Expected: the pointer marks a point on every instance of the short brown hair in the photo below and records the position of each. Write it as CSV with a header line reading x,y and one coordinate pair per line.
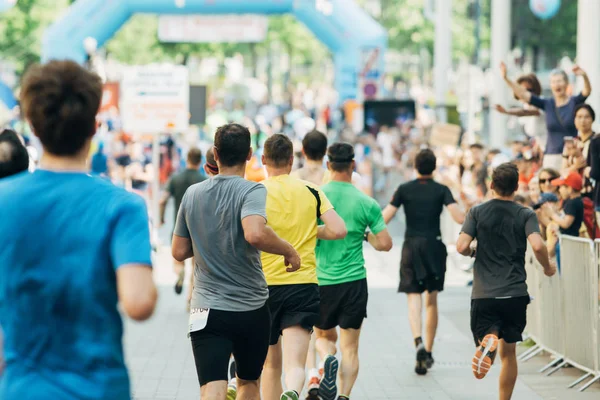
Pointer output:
x,y
61,99
505,179
194,156
278,150
340,156
533,82
314,145
232,142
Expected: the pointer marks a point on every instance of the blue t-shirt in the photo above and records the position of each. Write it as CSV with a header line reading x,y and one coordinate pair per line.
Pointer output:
x,y
557,127
64,235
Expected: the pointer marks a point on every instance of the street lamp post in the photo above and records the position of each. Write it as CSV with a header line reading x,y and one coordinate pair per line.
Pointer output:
x,y
500,49
588,46
442,55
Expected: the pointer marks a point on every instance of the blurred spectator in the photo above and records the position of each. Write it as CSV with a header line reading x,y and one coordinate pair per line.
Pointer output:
x,y
531,118
559,110
14,157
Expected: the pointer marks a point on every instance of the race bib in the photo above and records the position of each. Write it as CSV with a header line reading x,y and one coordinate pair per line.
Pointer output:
x,y
198,319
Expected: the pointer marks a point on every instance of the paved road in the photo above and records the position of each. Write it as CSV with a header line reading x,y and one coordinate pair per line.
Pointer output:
x,y
161,363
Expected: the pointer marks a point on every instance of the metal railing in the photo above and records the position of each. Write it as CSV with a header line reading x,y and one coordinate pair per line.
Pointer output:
x,y
564,315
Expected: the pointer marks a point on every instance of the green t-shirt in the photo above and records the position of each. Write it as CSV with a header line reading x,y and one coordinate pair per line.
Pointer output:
x,y
340,261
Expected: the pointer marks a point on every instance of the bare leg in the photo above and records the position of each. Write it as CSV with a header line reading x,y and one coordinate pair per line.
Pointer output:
x,y
349,370
270,386
248,390
431,319
415,307
296,341
325,342
216,390
508,374
311,357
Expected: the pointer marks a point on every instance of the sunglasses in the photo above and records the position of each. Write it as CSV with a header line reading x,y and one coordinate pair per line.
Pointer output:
x,y
546,180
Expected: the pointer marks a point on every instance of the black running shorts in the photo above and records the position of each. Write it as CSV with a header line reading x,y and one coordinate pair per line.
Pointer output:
x,y
245,334
423,265
343,305
292,305
507,317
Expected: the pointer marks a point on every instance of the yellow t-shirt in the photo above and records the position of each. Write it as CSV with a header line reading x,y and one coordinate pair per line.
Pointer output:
x,y
293,210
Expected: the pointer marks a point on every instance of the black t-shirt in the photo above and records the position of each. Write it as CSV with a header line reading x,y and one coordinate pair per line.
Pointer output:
x,y
180,182
423,201
501,228
573,207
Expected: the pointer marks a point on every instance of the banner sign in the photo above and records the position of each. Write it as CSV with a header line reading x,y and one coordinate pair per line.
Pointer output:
x,y
212,28
154,98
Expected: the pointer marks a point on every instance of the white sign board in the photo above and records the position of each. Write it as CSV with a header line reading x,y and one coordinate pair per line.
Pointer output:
x,y
155,98
212,28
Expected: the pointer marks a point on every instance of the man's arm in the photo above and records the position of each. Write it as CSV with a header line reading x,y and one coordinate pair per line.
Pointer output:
x,y
334,227
456,213
381,241
181,248
130,254
136,290
463,244
263,238
541,253
389,212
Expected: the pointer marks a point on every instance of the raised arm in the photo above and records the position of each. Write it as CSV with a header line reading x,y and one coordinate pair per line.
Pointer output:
x,y
587,86
518,90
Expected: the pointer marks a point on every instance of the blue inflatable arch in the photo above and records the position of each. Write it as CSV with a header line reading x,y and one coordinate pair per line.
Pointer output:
x,y
347,32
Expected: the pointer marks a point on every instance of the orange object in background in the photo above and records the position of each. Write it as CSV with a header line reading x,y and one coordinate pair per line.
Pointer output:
x,y
254,171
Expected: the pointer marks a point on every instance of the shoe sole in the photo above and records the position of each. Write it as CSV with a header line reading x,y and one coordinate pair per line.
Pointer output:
x,y
288,395
481,362
328,387
421,367
313,393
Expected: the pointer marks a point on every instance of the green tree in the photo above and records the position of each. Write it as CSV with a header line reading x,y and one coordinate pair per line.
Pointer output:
x,y
22,28
554,38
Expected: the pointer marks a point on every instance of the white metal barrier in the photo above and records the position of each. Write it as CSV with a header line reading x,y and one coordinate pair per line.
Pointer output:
x,y
564,316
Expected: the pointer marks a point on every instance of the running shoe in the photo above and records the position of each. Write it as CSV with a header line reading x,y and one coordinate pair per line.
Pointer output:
x,y
289,395
484,356
313,388
421,365
179,283
429,362
232,390
327,386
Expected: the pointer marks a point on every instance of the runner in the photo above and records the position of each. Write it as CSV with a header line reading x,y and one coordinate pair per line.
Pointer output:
x,y
423,262
342,274
499,302
73,246
176,188
222,224
314,147
293,209
14,157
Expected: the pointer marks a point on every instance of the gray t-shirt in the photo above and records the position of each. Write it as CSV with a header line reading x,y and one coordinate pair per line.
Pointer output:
x,y
501,228
228,274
